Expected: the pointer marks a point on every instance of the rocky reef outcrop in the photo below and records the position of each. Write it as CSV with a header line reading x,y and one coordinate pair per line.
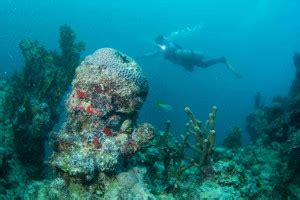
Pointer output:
x,y
101,131
274,131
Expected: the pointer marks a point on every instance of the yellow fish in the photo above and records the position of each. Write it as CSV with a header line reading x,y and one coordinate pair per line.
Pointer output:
x,y
164,106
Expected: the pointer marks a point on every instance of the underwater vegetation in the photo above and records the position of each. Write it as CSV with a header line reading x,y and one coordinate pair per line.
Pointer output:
x,y
102,152
31,102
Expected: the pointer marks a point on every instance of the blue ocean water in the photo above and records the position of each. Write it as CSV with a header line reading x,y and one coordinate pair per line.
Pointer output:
x,y
257,36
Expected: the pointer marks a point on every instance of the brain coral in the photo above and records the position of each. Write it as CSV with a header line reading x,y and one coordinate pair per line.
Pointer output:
x,y
111,81
101,129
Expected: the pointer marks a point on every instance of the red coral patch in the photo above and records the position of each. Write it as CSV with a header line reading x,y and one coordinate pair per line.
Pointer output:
x,y
107,131
96,142
89,110
93,111
81,94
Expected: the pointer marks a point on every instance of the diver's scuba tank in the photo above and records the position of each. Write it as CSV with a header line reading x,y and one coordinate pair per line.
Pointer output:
x,y
186,55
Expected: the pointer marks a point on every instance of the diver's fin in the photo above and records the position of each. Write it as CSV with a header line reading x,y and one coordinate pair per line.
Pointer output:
x,y
231,68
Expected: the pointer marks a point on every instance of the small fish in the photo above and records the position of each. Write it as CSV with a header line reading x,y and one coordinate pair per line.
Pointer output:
x,y
164,106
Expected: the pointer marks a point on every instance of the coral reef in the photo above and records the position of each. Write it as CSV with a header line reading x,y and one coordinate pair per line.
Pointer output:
x,y
151,171
30,106
173,165
295,88
233,139
268,168
101,152
126,185
12,174
250,172
204,136
34,94
274,130
279,137
101,130
168,168
176,169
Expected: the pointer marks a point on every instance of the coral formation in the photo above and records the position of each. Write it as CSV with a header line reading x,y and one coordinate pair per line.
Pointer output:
x,y
170,162
295,88
268,168
101,131
33,98
233,139
205,137
12,174
159,162
274,130
30,106
126,185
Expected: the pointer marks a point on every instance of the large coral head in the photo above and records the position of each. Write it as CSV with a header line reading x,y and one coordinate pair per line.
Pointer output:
x,y
108,81
108,91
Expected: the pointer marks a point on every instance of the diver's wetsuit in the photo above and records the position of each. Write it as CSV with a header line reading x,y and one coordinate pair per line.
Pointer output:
x,y
185,57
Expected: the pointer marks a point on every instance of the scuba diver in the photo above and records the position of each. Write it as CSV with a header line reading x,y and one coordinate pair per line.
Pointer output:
x,y
185,57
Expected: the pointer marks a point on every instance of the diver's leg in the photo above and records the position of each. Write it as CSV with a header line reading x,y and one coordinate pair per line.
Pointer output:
x,y
211,62
224,61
